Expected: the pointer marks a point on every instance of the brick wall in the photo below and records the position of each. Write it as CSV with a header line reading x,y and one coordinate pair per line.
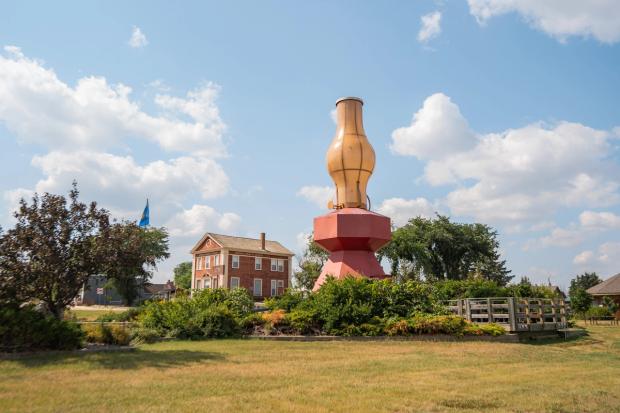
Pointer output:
x,y
247,272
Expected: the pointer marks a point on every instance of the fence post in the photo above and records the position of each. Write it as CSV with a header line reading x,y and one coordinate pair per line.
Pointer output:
x,y
467,309
512,313
489,311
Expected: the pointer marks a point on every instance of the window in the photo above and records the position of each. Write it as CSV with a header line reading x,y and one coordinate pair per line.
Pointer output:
x,y
199,263
281,265
274,264
235,261
274,287
234,282
258,263
280,283
258,287
217,260
198,284
208,261
207,282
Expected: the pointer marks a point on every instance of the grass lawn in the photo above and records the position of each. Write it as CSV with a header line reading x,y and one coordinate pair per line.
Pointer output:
x,y
246,375
90,314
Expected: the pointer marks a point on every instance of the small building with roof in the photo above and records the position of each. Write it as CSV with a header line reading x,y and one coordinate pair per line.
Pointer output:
x,y
263,267
608,288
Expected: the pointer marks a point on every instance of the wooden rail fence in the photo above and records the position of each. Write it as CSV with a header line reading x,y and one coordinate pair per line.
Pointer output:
x,y
513,313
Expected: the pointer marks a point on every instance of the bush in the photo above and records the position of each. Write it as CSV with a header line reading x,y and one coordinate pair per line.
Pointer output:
x,y
237,300
352,301
101,333
275,322
251,323
287,301
443,324
24,329
492,329
598,312
210,313
218,322
303,321
144,336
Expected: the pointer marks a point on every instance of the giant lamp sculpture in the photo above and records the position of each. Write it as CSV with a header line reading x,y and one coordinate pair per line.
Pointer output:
x,y
351,233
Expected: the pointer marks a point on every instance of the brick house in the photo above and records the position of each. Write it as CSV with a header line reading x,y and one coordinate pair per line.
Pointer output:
x,y
261,266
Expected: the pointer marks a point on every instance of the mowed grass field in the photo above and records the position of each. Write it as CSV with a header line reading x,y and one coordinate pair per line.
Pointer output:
x,y
91,313
582,375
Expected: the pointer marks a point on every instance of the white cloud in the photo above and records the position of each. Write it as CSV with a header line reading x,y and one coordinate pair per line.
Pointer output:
x,y
437,130
604,261
333,116
562,237
197,220
599,220
319,195
40,108
558,18
402,210
431,27
514,175
121,185
583,258
137,39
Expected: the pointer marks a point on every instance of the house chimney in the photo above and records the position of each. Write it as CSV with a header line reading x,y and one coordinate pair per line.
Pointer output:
x,y
262,240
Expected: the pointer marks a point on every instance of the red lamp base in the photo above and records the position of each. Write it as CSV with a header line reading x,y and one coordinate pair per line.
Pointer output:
x,y
351,235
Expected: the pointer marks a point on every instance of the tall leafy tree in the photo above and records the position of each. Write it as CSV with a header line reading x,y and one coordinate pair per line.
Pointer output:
x,y
183,275
133,254
583,282
580,300
438,249
52,250
310,265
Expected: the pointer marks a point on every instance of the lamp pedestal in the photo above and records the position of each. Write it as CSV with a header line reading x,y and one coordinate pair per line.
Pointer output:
x,y
351,235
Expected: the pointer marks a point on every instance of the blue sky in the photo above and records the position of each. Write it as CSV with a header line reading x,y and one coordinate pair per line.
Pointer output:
x,y
501,112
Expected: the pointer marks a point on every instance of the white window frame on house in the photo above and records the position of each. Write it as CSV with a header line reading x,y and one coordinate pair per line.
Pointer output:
x,y
235,282
235,260
207,262
274,287
260,290
198,284
199,263
207,283
274,264
280,283
258,263
216,260
280,265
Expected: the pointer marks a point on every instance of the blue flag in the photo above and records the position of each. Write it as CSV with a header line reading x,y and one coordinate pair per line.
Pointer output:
x,y
144,220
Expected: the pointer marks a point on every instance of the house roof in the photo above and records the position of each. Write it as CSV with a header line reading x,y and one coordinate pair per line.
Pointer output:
x,y
610,286
244,244
158,288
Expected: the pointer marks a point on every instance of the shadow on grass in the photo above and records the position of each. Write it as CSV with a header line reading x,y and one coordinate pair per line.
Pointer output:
x,y
124,360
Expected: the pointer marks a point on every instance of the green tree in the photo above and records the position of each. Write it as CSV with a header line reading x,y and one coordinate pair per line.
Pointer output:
x,y
310,265
132,255
52,250
583,282
610,304
183,275
580,301
438,249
